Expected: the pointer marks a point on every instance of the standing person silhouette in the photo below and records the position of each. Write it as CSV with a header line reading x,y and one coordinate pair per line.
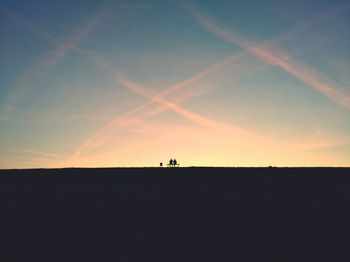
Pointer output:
x,y
174,162
171,162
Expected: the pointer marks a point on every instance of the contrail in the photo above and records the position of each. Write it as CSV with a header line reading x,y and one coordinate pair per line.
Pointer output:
x,y
182,86
146,92
296,68
34,152
132,86
19,90
105,133
135,87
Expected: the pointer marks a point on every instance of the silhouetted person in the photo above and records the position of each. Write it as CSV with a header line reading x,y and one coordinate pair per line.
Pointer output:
x,y
171,162
161,164
174,162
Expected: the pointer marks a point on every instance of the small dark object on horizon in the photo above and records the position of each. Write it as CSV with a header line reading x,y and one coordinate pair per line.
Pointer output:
x,y
173,163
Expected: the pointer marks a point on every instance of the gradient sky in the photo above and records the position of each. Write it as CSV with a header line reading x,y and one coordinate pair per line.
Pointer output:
x,y
211,83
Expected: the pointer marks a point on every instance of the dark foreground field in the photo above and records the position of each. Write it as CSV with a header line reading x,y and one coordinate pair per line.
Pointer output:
x,y
182,214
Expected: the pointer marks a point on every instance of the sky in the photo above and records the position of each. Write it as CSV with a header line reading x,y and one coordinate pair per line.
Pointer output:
x,y
210,83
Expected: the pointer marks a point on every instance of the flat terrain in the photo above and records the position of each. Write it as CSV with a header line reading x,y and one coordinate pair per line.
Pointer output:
x,y
176,214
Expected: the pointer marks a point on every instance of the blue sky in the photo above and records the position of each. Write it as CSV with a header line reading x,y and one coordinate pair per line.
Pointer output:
x,y
133,83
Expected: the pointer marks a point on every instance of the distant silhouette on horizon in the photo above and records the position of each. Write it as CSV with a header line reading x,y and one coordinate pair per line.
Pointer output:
x,y
173,163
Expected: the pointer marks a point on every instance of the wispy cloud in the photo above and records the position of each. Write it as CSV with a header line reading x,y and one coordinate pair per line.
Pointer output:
x,y
27,151
136,88
167,99
216,145
131,117
147,92
19,90
278,58
205,125
49,118
28,158
185,90
181,91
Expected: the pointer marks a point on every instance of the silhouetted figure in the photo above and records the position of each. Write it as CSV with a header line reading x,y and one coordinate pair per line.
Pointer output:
x,y
171,162
161,164
174,162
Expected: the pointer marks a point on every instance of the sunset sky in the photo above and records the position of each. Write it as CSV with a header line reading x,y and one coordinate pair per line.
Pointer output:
x,y
211,83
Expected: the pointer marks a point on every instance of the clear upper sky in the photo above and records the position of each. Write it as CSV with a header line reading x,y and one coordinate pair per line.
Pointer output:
x,y
135,83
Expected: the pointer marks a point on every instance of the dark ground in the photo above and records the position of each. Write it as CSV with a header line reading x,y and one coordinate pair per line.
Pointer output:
x,y
179,214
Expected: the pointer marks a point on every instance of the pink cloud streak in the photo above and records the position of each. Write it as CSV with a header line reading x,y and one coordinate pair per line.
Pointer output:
x,y
103,135
19,90
296,68
260,50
